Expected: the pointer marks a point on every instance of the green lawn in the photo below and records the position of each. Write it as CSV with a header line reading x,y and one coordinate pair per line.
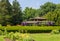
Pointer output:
x,y
46,37
1,38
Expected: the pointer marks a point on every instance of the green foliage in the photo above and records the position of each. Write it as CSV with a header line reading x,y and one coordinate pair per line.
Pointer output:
x,y
55,32
29,13
54,16
18,37
11,36
10,14
48,10
5,12
1,32
30,29
5,31
16,13
47,7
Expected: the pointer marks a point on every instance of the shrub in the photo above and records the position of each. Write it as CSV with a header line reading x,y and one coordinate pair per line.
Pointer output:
x,y
28,29
32,29
55,32
5,31
0,25
11,35
1,32
19,36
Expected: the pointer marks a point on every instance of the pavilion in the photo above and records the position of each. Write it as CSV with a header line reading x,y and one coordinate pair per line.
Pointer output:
x,y
38,21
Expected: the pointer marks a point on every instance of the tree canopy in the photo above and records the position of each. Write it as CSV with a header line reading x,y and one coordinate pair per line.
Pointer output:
x,y
12,14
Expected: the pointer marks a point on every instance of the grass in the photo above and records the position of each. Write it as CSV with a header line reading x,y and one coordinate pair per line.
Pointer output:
x,y
1,38
46,37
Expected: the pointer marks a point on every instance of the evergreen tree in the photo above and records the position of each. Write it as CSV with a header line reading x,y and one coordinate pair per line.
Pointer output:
x,y
5,11
17,13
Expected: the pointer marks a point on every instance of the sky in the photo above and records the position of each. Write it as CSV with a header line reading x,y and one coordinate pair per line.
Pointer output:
x,y
34,3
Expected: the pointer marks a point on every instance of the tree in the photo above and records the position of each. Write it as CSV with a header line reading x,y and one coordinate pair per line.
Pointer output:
x,y
5,11
16,13
47,7
29,13
54,16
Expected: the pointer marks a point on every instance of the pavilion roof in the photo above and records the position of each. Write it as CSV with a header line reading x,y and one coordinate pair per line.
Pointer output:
x,y
38,18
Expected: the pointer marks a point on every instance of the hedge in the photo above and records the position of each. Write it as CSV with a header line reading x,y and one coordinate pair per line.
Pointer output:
x,y
31,29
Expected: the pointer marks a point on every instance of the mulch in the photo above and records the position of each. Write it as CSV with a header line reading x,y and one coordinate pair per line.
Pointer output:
x,y
7,39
